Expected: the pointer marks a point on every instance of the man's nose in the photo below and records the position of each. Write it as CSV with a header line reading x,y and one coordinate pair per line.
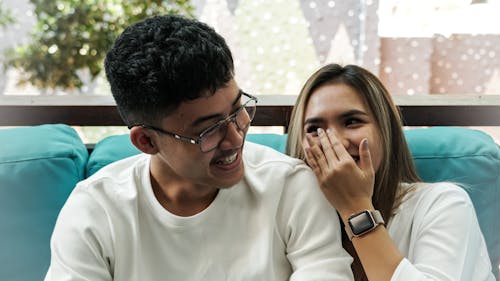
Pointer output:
x,y
233,138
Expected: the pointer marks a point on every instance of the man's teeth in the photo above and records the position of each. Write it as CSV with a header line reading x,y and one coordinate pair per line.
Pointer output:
x,y
229,159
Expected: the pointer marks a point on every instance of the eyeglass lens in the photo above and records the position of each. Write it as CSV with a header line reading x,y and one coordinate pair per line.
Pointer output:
x,y
243,118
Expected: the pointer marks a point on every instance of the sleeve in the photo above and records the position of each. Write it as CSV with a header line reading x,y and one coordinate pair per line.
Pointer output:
x,y
79,245
310,227
447,243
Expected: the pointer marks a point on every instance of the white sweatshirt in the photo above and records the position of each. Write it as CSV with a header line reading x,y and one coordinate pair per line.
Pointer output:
x,y
275,224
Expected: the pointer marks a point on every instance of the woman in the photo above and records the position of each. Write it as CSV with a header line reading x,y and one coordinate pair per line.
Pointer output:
x,y
347,128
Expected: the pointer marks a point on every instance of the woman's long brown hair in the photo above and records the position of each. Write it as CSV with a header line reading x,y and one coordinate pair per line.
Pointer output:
x,y
397,164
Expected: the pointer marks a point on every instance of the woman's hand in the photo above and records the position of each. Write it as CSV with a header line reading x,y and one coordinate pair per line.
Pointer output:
x,y
347,185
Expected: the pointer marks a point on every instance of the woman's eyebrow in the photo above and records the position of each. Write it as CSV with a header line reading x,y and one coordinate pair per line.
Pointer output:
x,y
353,112
347,114
313,120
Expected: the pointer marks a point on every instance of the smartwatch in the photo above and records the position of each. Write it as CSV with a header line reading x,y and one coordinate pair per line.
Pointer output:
x,y
362,223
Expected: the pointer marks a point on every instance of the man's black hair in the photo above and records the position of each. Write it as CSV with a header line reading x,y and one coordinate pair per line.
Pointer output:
x,y
160,62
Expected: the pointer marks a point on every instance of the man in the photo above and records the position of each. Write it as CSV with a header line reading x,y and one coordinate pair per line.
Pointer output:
x,y
199,203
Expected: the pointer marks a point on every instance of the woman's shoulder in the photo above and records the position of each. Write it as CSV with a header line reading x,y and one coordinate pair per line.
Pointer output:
x,y
428,203
438,189
426,195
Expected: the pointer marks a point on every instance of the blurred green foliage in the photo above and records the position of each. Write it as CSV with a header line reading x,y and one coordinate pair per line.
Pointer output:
x,y
5,16
72,37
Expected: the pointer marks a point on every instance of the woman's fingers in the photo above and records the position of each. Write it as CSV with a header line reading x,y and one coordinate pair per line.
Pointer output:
x,y
365,159
316,153
327,147
311,161
338,146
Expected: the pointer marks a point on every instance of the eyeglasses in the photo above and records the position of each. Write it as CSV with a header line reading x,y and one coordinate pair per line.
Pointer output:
x,y
211,137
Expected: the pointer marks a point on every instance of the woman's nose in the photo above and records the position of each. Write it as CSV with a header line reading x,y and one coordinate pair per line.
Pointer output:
x,y
342,138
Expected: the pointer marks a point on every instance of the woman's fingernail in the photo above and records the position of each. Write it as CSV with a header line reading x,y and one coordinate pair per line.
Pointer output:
x,y
320,131
328,131
365,144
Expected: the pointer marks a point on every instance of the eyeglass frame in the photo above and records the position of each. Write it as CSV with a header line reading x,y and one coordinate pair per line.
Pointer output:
x,y
230,118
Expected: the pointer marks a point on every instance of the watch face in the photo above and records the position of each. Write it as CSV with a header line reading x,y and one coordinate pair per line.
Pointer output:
x,y
361,222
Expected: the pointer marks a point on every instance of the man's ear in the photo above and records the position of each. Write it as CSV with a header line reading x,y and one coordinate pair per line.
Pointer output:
x,y
142,139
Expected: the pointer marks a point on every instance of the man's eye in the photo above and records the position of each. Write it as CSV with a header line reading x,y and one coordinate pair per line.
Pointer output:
x,y
212,129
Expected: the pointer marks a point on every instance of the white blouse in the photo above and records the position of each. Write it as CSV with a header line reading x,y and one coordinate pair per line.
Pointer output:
x,y
437,231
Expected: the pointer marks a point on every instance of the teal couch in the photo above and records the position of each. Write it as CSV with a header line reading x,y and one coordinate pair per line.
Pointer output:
x,y
39,166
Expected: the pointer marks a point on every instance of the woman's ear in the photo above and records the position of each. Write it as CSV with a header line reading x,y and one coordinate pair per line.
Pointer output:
x,y
142,139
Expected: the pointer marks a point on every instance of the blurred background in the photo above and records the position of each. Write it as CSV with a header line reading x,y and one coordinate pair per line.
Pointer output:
x,y
417,48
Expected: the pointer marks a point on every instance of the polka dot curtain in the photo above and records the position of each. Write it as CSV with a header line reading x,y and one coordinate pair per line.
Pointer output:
x,y
277,44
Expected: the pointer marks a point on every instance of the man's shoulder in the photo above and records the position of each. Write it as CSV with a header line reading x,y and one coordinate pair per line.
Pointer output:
x,y
257,155
115,169
117,177
266,165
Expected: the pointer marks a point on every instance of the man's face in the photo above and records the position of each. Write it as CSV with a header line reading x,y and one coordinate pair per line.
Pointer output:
x,y
184,162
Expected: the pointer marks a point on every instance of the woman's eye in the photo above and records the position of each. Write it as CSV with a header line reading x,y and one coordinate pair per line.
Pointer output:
x,y
352,122
311,129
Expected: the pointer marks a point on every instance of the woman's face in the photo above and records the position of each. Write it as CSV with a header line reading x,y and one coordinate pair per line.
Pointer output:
x,y
340,108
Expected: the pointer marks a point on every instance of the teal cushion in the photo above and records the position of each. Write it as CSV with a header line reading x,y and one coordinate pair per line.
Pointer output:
x,y
39,166
109,150
118,147
470,158
276,141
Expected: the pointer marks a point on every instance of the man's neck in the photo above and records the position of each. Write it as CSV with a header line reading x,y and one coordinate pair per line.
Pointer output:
x,y
181,197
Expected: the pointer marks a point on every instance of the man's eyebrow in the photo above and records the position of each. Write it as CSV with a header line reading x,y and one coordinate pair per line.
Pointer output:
x,y
202,119
238,97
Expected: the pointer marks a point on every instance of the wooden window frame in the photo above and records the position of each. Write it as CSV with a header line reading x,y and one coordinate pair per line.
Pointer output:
x,y
273,110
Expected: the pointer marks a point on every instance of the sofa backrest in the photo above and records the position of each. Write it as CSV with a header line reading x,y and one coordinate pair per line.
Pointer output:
x,y
469,158
39,166
464,156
